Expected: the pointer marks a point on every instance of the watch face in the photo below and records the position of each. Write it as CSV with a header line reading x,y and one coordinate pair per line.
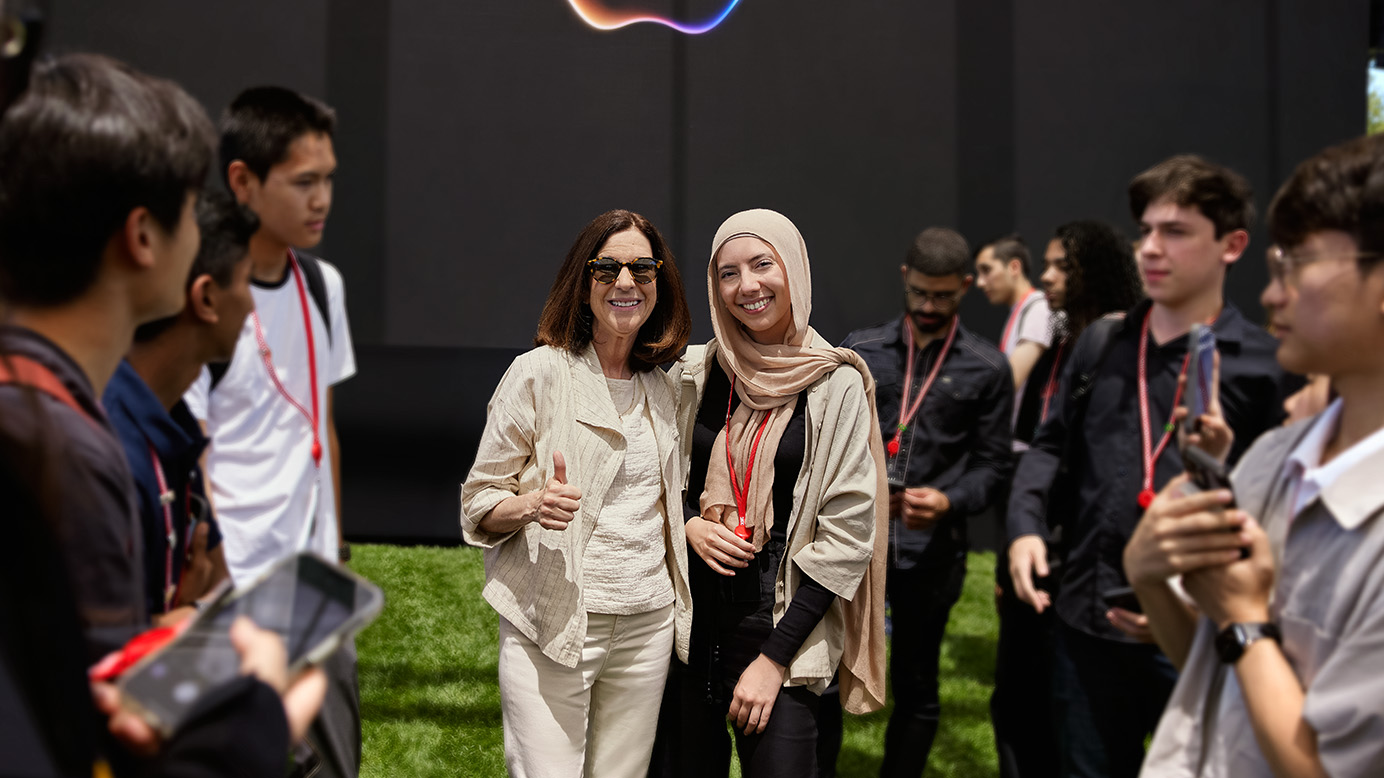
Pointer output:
x,y
1230,642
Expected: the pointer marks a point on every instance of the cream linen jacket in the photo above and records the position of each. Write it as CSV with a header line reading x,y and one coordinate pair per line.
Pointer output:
x,y
548,400
831,530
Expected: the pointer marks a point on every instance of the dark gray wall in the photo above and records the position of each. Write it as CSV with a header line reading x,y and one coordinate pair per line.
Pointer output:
x,y
477,138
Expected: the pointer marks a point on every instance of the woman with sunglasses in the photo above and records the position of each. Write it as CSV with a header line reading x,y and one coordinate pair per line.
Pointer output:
x,y
574,495
786,504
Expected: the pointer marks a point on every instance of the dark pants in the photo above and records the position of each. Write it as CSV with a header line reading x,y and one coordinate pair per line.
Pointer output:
x,y
1022,704
333,739
920,599
692,740
1109,697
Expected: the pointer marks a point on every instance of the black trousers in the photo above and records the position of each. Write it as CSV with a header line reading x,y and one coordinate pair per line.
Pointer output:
x,y
1021,707
693,742
920,601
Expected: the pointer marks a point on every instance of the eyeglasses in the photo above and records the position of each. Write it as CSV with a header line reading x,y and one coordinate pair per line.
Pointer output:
x,y
1283,265
606,269
941,301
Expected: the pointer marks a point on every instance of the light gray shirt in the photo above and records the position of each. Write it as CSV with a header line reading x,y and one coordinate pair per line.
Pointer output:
x,y
1328,600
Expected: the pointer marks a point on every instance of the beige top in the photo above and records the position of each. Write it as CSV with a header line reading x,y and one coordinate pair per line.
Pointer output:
x,y
625,569
1328,600
548,400
831,530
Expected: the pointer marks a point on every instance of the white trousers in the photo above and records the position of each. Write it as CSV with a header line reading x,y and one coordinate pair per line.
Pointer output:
x,y
597,719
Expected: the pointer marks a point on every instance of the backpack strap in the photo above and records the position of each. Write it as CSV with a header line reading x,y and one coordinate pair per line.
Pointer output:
x,y
20,370
317,287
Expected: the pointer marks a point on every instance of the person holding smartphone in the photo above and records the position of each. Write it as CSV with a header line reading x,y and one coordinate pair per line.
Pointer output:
x,y
1279,650
574,497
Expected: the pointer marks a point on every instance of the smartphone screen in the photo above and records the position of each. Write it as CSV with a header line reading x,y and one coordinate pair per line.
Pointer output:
x,y
1200,370
307,601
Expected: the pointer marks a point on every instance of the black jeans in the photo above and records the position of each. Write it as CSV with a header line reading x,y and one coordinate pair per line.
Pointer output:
x,y
1109,698
920,600
692,741
1021,706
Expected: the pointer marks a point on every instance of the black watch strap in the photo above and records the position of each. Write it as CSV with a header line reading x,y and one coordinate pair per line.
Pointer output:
x,y
343,552
1232,641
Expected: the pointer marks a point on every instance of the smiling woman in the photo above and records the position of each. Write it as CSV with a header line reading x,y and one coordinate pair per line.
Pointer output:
x,y
574,497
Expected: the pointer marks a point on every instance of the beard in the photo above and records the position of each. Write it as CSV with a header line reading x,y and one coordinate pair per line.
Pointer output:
x,y
929,324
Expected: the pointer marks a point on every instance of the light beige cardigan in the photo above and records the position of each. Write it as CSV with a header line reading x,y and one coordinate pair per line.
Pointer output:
x,y
831,529
551,399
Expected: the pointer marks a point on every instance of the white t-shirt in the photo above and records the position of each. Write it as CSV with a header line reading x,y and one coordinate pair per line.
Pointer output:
x,y
1028,321
264,484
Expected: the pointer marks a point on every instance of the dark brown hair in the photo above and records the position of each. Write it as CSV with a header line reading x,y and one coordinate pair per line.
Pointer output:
x,y
1341,188
566,322
1221,194
938,251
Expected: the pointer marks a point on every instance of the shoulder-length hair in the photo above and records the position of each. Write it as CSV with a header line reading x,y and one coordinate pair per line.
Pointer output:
x,y
566,321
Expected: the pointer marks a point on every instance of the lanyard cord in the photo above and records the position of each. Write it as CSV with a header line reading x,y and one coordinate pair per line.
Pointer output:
x,y
166,498
1014,316
1145,435
907,412
312,359
742,494
1050,388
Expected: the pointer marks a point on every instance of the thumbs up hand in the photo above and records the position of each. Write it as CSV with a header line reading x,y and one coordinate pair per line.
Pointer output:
x,y
559,500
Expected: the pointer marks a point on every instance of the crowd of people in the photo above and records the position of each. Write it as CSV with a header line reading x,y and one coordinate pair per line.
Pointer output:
x,y
695,547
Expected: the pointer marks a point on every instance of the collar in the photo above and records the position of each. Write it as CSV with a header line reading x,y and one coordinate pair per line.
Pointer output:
x,y
1229,326
893,333
127,395
20,340
1347,485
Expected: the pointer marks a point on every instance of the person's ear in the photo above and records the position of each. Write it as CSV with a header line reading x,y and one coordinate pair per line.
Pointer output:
x,y
242,180
1234,244
136,237
903,271
202,298
966,282
1016,268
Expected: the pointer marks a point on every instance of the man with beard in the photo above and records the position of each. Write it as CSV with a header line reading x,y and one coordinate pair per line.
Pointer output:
x,y
944,397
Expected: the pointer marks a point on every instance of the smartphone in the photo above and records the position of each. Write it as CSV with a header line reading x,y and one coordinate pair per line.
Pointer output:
x,y
1122,597
1207,474
313,604
1200,371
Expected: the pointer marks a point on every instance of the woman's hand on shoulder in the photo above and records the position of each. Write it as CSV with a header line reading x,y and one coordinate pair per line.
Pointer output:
x,y
559,501
717,545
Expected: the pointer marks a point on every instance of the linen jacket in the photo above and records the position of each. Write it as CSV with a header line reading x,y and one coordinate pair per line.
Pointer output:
x,y
831,528
1328,600
553,400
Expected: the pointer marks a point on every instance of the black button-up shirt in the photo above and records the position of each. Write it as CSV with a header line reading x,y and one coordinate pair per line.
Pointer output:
x,y
142,424
1098,496
960,440
89,491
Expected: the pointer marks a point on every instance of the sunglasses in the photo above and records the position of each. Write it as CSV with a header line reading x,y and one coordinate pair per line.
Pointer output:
x,y
606,269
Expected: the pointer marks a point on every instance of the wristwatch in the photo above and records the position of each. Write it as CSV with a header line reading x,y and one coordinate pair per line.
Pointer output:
x,y
1232,641
343,552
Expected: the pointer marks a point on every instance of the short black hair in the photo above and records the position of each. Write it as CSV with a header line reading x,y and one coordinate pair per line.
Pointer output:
x,y
938,251
1221,194
1341,188
1102,276
91,140
262,122
1009,248
226,229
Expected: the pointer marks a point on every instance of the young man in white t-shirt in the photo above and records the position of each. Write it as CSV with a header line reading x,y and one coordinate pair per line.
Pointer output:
x,y
1002,274
273,462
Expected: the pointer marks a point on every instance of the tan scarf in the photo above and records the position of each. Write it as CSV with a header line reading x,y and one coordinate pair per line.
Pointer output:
x,y
769,378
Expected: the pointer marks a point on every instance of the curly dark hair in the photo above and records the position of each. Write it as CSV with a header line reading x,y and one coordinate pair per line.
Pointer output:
x,y
1101,277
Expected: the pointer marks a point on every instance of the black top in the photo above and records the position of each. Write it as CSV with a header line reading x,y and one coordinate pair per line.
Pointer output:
x,y
92,496
141,423
1104,469
738,610
1047,368
960,441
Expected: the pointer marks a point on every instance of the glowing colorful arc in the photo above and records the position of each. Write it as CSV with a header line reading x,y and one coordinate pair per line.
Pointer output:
x,y
594,14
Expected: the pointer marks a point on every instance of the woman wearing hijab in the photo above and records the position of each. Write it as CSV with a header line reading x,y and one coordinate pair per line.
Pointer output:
x,y
785,504
574,497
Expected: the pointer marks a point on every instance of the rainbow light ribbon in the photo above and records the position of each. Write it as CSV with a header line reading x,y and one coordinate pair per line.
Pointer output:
x,y
597,15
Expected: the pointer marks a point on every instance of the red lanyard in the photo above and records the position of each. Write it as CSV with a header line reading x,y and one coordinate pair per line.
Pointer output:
x,y
907,412
1151,457
742,493
166,497
1014,316
312,360
1050,388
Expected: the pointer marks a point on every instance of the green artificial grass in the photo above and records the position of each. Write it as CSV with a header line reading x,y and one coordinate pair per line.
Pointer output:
x,y
430,705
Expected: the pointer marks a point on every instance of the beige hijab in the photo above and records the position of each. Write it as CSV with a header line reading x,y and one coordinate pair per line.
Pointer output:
x,y
768,379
